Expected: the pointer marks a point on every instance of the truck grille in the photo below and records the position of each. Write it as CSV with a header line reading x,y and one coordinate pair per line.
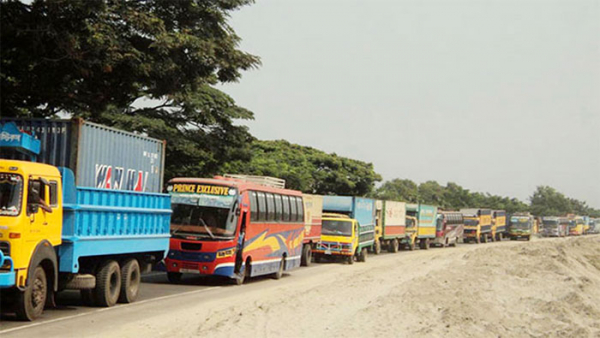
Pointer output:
x,y
5,248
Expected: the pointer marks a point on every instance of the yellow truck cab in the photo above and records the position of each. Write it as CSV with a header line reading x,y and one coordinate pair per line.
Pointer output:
x,y
339,238
29,213
412,230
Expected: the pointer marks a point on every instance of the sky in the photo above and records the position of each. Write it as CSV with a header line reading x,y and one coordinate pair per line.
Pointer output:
x,y
496,96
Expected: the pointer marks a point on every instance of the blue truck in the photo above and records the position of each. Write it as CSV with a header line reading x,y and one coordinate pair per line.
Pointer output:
x,y
57,236
360,209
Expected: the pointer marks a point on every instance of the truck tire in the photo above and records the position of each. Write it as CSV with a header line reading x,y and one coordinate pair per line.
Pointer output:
x,y
528,238
131,278
424,244
484,238
350,259
411,245
81,282
377,247
108,284
306,255
393,246
279,273
500,237
30,303
362,256
174,277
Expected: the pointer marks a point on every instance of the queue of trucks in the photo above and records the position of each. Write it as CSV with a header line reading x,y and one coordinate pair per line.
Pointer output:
x,y
82,208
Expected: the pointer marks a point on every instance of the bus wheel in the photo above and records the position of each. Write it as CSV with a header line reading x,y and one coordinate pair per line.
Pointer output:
x,y
131,278
306,255
174,277
377,247
279,273
393,246
30,303
108,284
362,256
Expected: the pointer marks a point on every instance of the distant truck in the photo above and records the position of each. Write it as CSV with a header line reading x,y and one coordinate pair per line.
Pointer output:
x,y
554,227
313,214
449,228
340,239
393,225
520,226
421,229
55,235
360,209
499,224
478,225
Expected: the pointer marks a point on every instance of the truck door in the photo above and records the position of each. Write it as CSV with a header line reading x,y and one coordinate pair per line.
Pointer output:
x,y
38,211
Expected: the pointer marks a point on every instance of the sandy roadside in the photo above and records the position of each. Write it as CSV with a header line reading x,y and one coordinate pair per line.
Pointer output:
x,y
537,289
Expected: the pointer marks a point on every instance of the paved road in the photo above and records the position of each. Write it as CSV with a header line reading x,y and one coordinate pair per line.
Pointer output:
x,y
71,318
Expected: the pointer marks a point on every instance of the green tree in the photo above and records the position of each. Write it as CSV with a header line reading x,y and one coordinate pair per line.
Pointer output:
x,y
398,190
307,169
546,201
431,192
95,59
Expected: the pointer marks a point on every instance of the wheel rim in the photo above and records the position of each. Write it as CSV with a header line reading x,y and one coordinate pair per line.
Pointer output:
x,y
37,293
114,284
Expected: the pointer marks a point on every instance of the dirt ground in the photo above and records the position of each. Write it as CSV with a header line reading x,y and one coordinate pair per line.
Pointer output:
x,y
543,288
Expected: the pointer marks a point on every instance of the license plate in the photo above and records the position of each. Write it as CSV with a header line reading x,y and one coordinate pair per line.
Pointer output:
x,y
188,271
328,252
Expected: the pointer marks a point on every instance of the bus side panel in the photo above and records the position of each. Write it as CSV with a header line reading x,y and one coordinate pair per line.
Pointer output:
x,y
266,243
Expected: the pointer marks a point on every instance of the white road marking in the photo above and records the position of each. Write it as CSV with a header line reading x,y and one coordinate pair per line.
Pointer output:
x,y
106,309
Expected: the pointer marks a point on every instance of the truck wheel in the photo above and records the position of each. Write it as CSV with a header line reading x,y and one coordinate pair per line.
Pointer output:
x,y
174,277
350,259
131,278
411,245
484,238
362,256
30,303
377,247
279,273
528,238
424,244
306,255
108,284
393,246
500,237
455,243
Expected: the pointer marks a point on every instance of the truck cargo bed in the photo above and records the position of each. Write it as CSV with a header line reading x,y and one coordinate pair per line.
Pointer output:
x,y
100,222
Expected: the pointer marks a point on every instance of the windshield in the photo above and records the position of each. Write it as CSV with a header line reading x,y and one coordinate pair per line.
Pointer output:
x,y
550,222
439,224
11,192
201,221
469,221
520,222
337,228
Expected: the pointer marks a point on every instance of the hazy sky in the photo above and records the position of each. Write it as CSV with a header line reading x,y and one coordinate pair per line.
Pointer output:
x,y
497,96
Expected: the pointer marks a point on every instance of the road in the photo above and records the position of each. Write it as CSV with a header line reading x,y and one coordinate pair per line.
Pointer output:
x,y
327,297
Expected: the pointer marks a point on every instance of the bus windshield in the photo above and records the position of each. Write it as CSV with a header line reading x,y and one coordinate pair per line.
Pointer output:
x,y
337,228
203,221
11,192
203,210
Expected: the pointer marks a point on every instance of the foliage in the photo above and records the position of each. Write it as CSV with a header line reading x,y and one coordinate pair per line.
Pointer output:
x,y
95,59
398,190
307,169
546,201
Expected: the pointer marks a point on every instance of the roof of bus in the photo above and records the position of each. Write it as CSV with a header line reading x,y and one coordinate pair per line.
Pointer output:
x,y
234,183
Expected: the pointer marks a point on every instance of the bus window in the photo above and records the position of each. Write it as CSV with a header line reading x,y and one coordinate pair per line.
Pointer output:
x,y
270,207
262,207
292,209
253,207
299,209
286,208
278,208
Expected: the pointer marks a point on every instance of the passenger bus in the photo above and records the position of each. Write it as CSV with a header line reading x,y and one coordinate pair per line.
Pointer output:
x,y
235,227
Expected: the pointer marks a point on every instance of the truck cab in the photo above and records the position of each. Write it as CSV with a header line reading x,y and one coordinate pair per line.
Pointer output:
x,y
520,226
411,232
339,238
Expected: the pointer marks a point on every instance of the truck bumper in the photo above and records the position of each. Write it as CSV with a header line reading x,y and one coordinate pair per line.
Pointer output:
x,y
7,278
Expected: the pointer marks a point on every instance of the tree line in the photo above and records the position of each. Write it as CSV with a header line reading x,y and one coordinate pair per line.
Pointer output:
x,y
97,59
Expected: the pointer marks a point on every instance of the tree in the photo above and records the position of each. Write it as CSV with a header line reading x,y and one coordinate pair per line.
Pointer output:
x,y
546,201
398,190
432,193
307,169
95,59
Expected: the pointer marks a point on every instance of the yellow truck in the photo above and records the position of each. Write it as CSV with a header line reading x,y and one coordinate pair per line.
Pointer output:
x,y
478,225
339,239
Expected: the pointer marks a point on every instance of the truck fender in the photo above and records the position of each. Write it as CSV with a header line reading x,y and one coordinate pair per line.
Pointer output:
x,y
44,251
